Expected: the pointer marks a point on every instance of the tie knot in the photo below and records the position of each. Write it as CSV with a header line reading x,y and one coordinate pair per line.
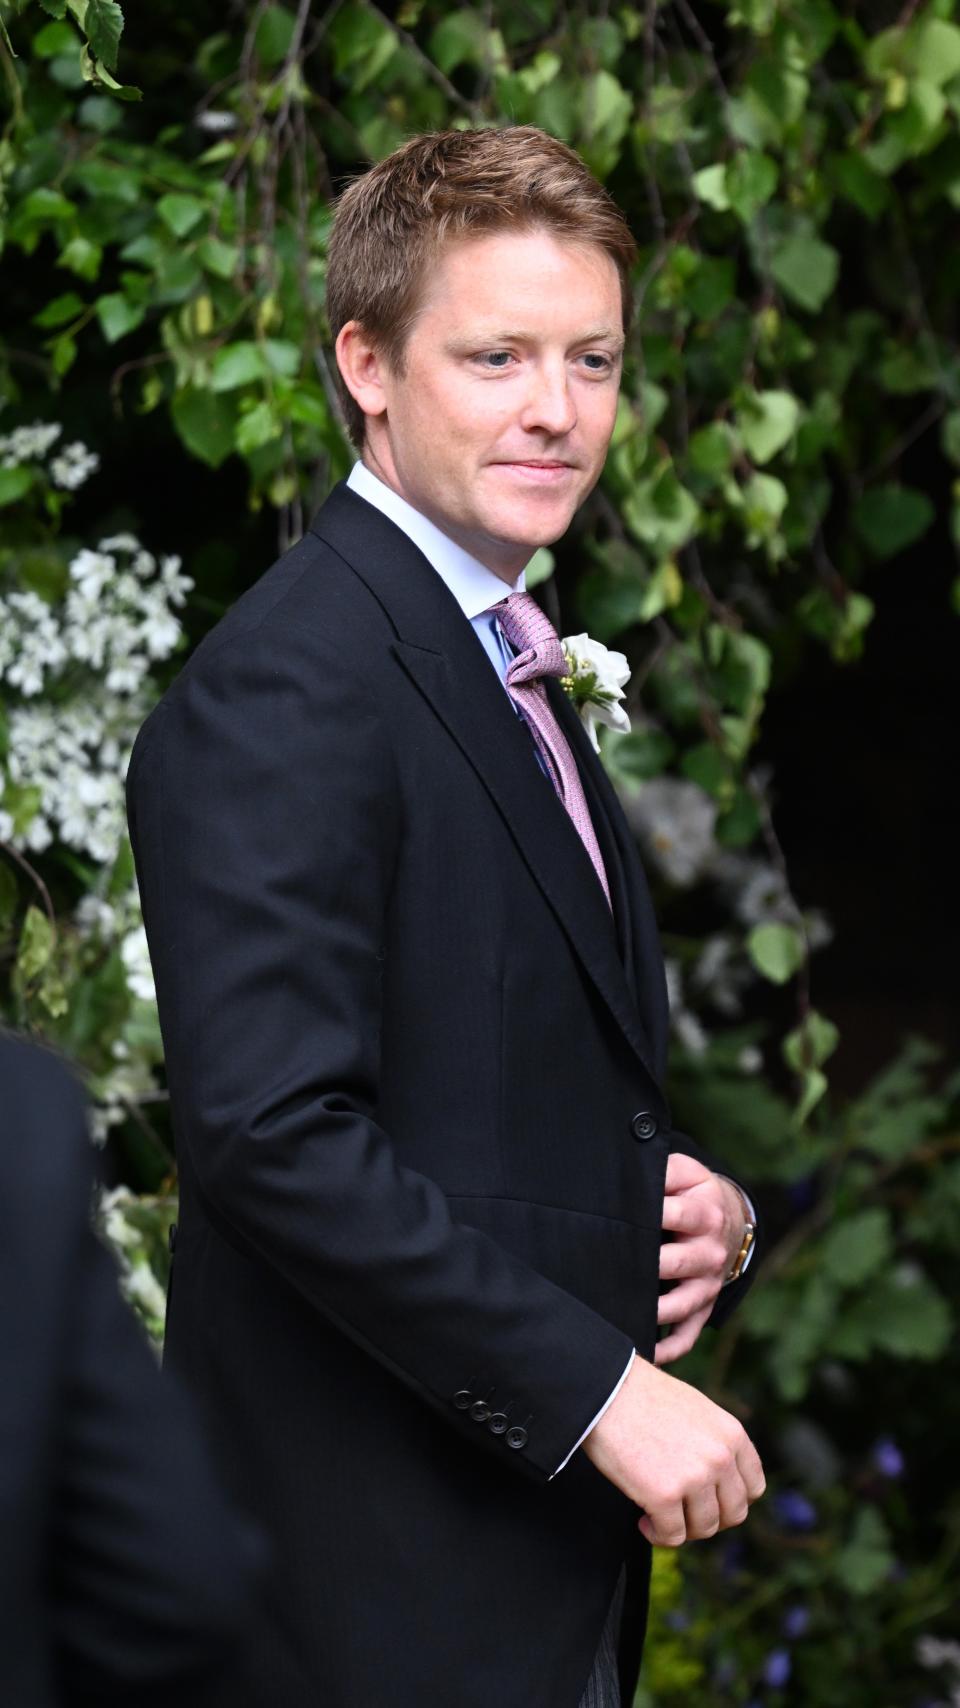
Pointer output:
x,y
539,652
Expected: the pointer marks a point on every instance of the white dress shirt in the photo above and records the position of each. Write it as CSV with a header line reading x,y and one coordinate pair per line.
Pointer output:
x,y
475,588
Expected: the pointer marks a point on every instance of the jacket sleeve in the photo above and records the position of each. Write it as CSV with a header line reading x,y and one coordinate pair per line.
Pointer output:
x,y
266,819
120,1561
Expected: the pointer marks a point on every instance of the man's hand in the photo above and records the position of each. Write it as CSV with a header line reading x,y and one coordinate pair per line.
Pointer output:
x,y
690,1465
706,1216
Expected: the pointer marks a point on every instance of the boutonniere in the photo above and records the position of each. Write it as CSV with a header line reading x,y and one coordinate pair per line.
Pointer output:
x,y
595,683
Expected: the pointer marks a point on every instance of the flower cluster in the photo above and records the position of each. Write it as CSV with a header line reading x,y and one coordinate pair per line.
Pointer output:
x,y
72,465
81,671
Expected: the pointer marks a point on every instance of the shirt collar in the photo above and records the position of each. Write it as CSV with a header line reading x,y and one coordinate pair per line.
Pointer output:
x,y
473,585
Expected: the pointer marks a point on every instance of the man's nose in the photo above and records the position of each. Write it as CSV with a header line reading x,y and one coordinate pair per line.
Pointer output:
x,y
549,404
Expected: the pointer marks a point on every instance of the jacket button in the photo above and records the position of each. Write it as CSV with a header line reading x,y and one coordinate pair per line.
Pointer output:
x,y
480,1411
644,1126
172,1232
516,1437
497,1424
462,1399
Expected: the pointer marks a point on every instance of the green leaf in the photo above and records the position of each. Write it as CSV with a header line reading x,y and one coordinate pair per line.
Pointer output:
x,y
118,315
237,364
221,259
93,72
206,423
257,428
45,204
540,568
712,448
180,213
274,35
54,39
56,8
810,1044
935,50
710,186
912,1318
459,39
706,765
37,944
890,518
14,484
766,421
806,270
750,182
867,1559
103,24
776,951
857,1246
644,753
9,895
81,257
61,309
282,357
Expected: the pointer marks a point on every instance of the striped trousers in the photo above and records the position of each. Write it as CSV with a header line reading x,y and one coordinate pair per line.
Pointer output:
x,y
603,1687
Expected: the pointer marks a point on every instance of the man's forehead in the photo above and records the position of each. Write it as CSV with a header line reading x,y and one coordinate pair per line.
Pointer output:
x,y
515,293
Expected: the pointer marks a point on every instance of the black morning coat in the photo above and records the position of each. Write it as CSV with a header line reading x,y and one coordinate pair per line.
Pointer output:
x,y
124,1577
416,1072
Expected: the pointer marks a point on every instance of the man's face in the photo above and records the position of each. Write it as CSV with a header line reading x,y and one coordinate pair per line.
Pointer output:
x,y
499,426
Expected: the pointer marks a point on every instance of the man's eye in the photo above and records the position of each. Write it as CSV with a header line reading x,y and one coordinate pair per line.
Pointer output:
x,y
595,356
494,358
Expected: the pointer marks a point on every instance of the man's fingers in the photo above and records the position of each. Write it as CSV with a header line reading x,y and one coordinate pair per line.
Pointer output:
x,y
733,1498
684,1171
702,1513
682,1340
666,1527
692,1212
701,1254
684,1300
751,1470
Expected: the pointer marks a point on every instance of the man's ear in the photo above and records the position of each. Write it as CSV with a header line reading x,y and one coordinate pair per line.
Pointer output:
x,y
362,367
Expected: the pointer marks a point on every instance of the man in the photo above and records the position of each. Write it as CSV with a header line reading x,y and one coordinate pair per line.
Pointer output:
x,y
414,1008
123,1575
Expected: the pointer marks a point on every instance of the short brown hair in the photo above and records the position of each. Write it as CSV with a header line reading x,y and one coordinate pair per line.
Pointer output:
x,y
391,222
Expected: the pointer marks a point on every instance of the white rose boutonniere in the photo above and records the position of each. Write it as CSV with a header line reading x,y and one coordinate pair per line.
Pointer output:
x,y
595,684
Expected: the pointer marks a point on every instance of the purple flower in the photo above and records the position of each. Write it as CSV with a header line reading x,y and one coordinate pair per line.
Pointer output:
x,y
796,1622
676,1620
803,1193
794,1510
887,1457
776,1668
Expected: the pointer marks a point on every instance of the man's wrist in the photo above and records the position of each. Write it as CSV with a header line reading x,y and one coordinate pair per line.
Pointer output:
x,y
748,1231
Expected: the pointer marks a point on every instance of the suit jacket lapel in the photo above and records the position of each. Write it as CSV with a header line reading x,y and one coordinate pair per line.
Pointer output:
x,y
438,649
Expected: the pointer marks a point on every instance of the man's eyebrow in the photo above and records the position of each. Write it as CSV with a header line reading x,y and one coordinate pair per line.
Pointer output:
x,y
600,335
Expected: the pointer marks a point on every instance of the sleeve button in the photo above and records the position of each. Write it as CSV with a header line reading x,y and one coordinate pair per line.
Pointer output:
x,y
480,1411
497,1423
516,1437
462,1399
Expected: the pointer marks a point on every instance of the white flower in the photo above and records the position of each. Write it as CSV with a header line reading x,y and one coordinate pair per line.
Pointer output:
x,y
28,444
142,1287
6,827
596,681
136,958
73,465
675,820
750,1059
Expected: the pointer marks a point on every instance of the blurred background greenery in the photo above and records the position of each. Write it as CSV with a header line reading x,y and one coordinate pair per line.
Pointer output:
x,y
773,545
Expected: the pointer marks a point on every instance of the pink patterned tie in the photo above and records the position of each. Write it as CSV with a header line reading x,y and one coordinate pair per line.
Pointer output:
x,y
539,654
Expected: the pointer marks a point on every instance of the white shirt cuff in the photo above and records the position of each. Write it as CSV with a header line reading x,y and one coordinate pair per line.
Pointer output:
x,y
753,1217
607,1402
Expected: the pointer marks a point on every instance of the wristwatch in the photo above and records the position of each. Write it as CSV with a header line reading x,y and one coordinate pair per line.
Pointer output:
x,y
749,1234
